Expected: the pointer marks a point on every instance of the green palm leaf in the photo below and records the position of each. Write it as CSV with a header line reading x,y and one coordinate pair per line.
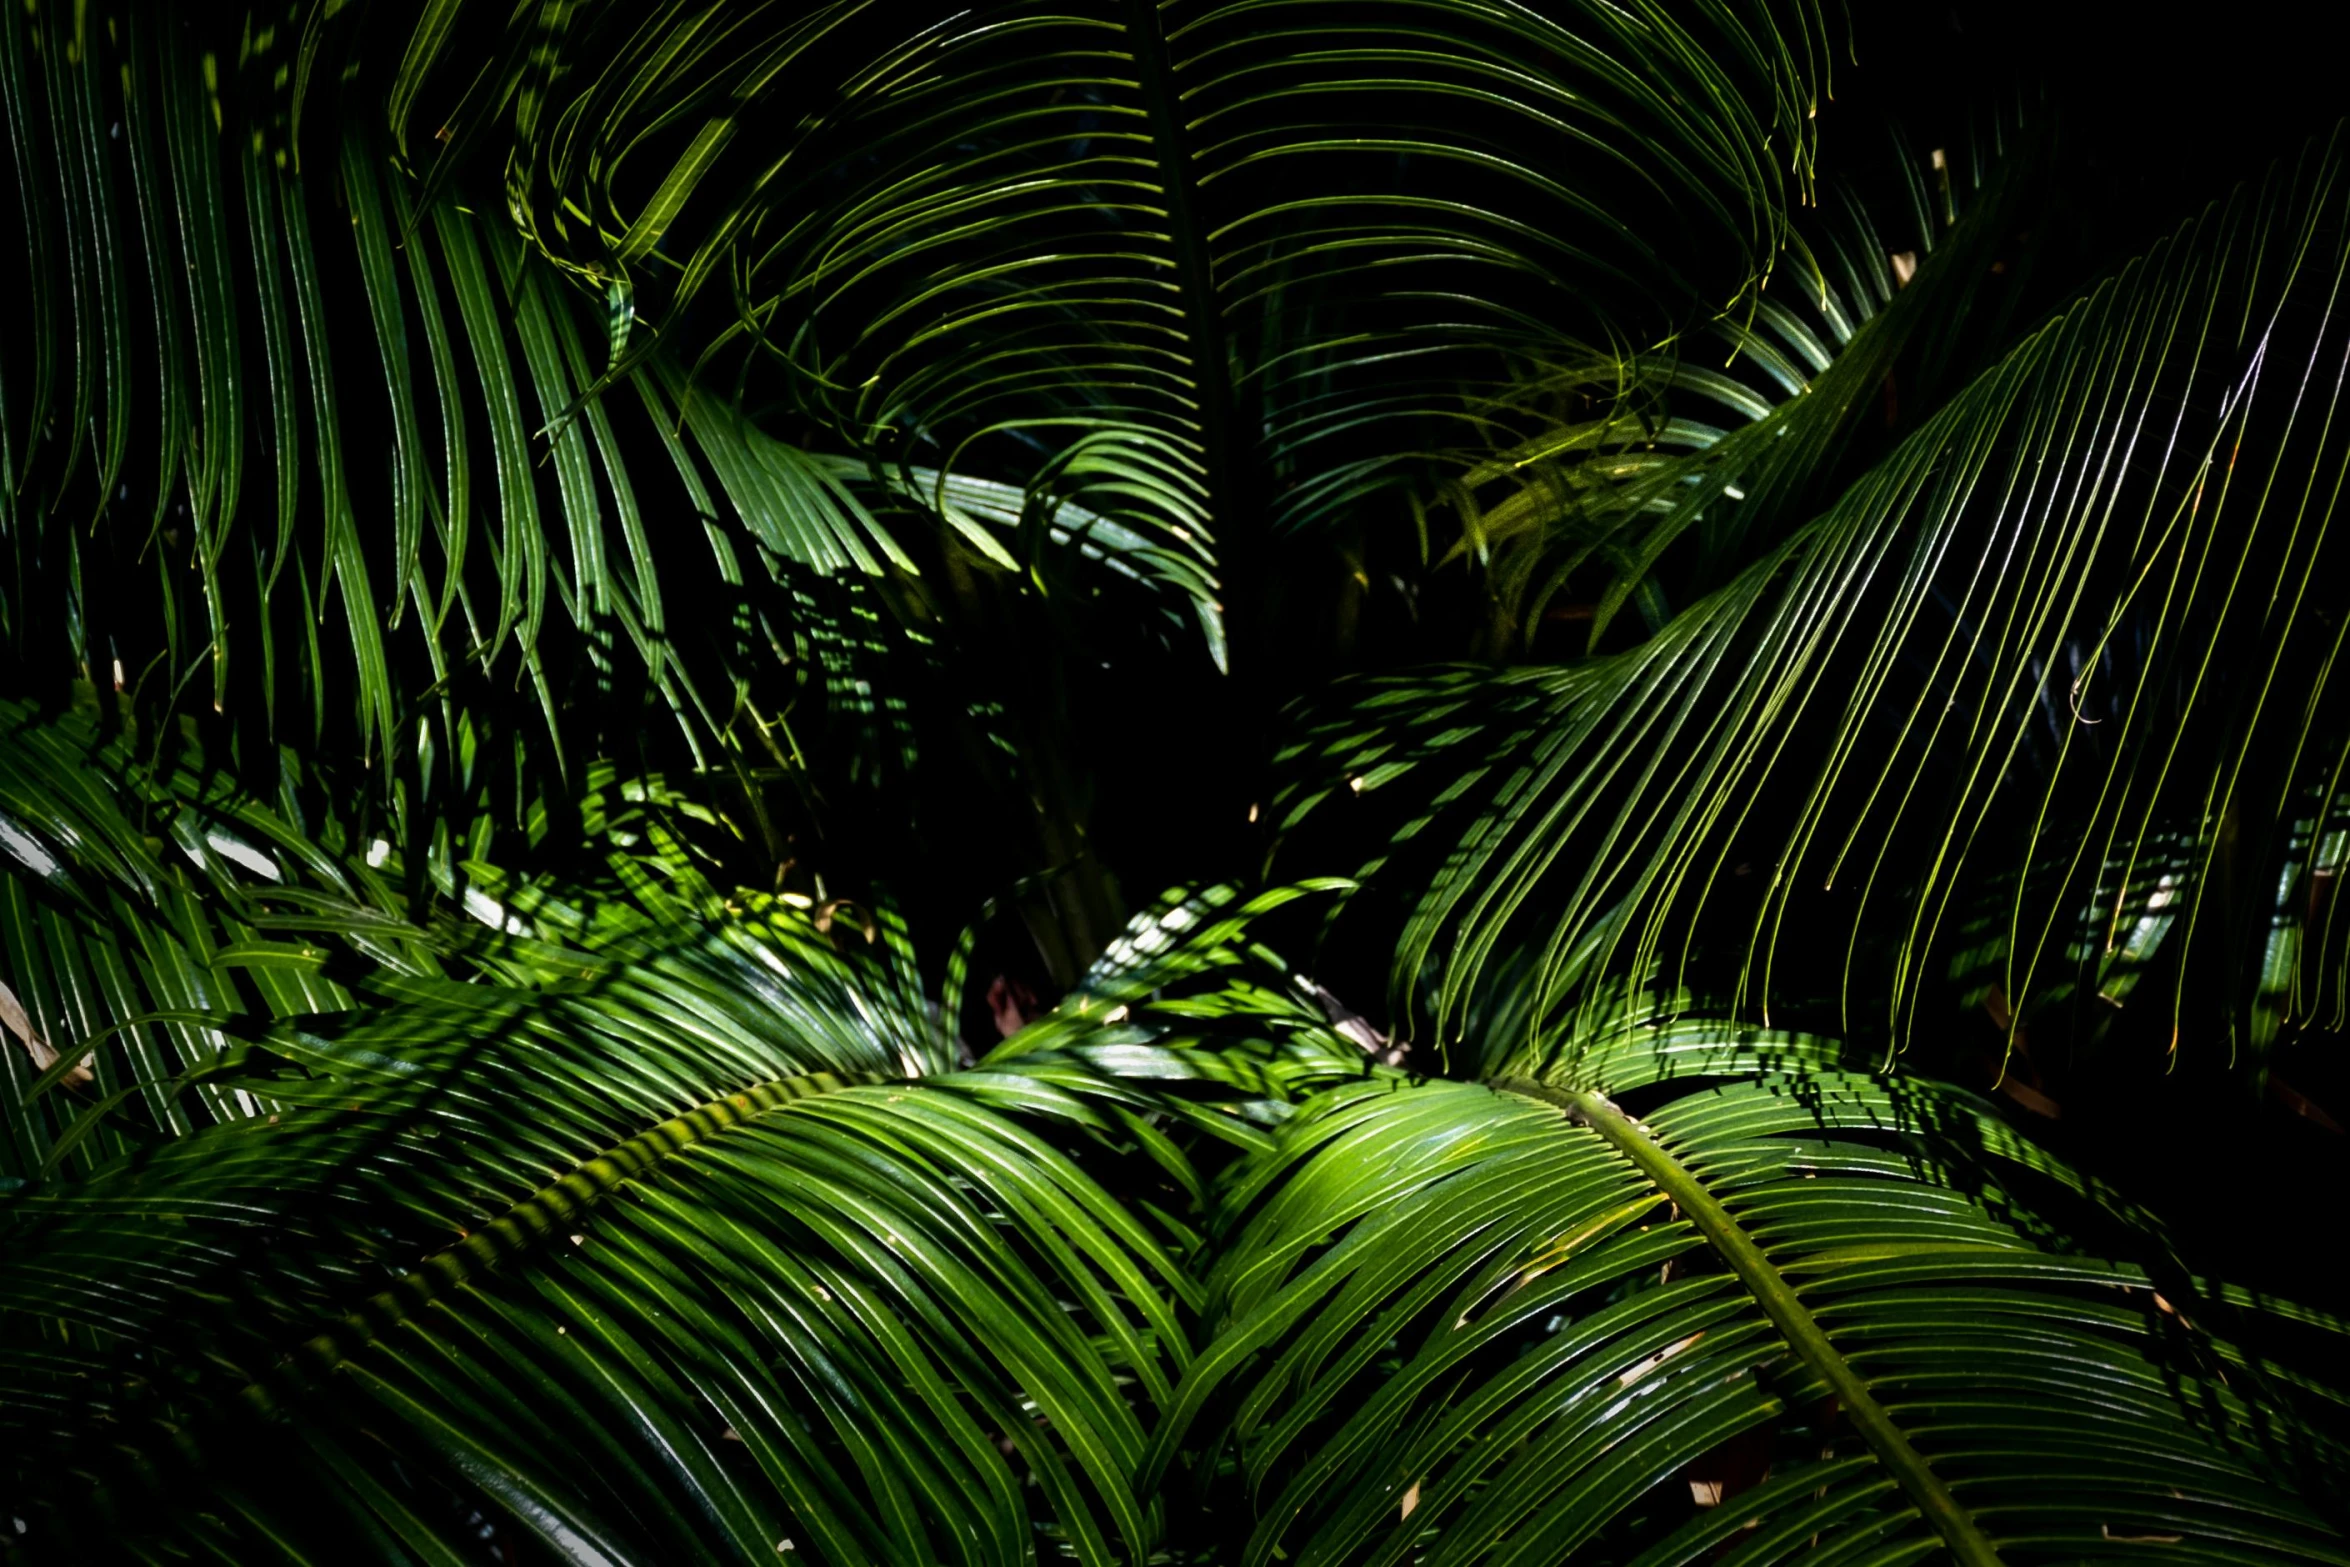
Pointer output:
x,y
552,547
1178,266
637,1219
447,532
1729,456
2095,594
480,1146
1499,1322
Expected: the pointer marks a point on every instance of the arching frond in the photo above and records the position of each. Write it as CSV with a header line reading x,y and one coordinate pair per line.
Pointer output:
x,y
304,448
1191,268
1797,1313
2096,595
643,1219
1887,306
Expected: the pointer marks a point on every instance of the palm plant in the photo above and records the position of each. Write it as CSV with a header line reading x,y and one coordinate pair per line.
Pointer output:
x,y
581,575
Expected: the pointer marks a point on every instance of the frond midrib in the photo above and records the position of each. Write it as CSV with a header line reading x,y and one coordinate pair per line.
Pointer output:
x,y
1776,1297
526,1223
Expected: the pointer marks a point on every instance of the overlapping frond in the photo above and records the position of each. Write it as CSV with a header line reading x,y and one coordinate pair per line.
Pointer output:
x,y
639,1230
158,921
466,468
299,446
1187,268
758,1305
1796,1313
2098,595
645,1220
1710,453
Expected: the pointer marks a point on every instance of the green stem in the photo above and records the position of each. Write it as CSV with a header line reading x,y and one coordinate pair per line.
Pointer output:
x,y
540,1215
1242,553
1770,1289
1203,314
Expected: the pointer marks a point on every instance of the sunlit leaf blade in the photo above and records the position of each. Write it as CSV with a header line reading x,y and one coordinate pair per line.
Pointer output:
x,y
1463,1322
2120,539
1193,268
447,539
1709,452
635,1215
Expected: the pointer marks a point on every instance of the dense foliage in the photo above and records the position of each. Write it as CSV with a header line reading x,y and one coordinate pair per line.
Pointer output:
x,y
1154,781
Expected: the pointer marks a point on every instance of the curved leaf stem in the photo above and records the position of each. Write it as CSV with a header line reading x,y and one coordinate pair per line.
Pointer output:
x,y
1967,1543
539,1215
1203,311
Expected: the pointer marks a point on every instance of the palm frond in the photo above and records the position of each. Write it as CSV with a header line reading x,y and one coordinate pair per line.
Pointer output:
x,y
1796,1312
2118,538
1174,265
478,1146
551,546
616,1210
1728,457
372,511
